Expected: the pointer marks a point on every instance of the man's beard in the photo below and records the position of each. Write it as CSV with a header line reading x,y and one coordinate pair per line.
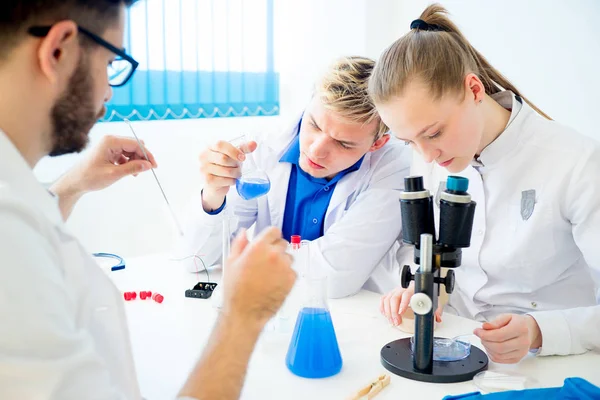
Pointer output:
x,y
74,114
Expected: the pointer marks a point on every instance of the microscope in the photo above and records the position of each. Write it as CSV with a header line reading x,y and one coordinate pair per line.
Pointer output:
x,y
413,358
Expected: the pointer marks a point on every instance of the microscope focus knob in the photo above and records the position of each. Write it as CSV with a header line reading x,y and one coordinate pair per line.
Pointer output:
x,y
421,303
449,281
406,276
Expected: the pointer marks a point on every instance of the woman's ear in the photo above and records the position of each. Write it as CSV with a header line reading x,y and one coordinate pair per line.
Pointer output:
x,y
474,88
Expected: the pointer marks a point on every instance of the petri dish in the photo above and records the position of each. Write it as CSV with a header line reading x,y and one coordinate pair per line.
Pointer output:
x,y
448,349
500,381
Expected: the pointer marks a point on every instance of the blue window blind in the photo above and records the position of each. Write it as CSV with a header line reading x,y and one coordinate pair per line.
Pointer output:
x,y
198,59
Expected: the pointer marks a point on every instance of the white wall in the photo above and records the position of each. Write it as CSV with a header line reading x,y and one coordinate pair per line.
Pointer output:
x,y
550,49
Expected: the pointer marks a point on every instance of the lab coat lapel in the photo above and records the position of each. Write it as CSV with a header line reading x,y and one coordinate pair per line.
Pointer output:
x,y
279,174
280,177
345,188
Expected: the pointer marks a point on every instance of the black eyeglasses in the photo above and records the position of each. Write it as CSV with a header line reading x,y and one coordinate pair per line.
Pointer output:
x,y
119,71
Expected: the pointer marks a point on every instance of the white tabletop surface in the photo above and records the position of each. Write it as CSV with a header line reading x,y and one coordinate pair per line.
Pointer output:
x,y
168,338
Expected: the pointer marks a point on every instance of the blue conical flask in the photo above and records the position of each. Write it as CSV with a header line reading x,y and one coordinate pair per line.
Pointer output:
x,y
254,182
314,350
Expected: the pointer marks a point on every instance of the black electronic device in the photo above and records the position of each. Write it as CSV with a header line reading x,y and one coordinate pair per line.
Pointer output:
x,y
202,290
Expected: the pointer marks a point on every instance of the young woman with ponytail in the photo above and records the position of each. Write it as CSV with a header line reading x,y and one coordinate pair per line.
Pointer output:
x,y
529,272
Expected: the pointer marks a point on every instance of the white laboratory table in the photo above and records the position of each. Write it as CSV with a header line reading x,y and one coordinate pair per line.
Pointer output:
x,y
168,338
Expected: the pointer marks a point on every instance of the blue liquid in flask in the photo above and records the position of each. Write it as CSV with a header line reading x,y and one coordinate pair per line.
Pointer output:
x,y
314,350
250,188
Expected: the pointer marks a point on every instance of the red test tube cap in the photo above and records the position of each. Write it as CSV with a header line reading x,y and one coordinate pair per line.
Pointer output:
x,y
157,298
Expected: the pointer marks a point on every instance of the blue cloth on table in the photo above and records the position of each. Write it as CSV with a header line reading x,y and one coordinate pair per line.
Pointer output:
x,y
573,389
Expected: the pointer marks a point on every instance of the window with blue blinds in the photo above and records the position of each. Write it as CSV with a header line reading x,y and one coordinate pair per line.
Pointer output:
x,y
198,59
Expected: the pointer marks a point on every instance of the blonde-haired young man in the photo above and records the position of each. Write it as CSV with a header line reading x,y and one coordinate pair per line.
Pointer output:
x,y
335,179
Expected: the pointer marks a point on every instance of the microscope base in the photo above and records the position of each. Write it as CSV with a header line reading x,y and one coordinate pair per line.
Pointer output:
x,y
397,358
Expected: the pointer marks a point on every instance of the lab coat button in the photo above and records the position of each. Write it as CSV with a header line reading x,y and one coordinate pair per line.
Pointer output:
x,y
315,221
326,188
533,304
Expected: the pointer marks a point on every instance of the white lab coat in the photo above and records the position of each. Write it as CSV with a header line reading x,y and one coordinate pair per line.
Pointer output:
x,y
539,265
63,333
361,227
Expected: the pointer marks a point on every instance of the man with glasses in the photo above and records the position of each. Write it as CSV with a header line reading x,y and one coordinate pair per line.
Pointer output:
x,y
63,332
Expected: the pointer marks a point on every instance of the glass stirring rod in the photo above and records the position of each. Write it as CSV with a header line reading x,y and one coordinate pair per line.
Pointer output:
x,y
155,177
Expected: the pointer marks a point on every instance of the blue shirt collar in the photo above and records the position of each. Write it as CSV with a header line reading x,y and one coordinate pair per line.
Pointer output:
x,y
292,154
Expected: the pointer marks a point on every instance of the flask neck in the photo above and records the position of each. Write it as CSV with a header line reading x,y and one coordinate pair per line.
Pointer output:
x,y
316,292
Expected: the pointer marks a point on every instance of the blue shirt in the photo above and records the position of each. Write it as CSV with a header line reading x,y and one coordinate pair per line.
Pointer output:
x,y
307,197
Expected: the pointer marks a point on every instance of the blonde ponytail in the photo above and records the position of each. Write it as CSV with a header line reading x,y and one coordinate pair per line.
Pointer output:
x,y
436,53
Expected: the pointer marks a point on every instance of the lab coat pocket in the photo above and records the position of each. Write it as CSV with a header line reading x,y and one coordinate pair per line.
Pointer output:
x,y
532,236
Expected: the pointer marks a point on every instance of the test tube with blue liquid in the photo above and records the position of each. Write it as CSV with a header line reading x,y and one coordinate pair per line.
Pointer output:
x,y
314,351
